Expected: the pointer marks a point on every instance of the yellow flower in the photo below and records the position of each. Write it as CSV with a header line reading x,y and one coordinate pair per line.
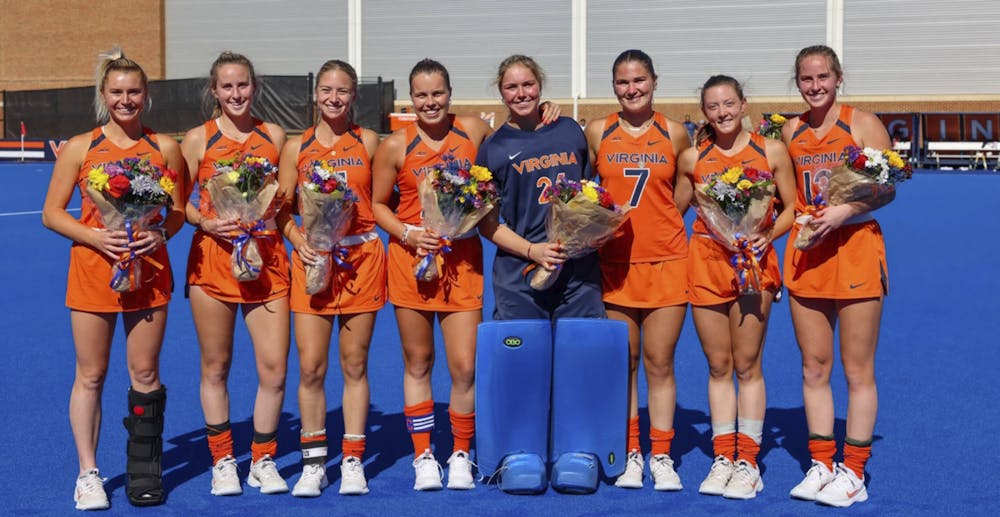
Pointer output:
x,y
732,175
233,177
480,173
778,119
167,184
469,189
744,184
590,192
98,179
253,160
337,194
894,160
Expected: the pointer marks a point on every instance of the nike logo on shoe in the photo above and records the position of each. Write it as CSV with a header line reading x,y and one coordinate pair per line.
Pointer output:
x,y
850,494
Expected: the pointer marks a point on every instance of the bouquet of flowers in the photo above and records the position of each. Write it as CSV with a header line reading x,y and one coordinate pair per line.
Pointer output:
x,y
326,205
582,217
771,126
243,188
735,205
867,176
454,198
129,194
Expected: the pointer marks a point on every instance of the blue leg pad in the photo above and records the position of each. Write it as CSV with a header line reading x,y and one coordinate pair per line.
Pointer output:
x,y
513,384
590,391
523,474
576,473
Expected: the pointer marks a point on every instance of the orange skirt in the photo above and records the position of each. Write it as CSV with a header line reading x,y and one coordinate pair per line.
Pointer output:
x,y
210,268
848,264
351,291
88,285
458,288
645,285
712,279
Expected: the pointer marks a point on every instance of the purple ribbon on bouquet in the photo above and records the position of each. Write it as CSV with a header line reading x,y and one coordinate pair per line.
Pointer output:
x,y
124,264
746,262
339,256
436,256
241,240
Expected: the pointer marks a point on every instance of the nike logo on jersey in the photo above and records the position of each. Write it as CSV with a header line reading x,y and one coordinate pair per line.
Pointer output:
x,y
545,162
653,142
833,140
746,162
143,153
453,149
255,147
855,286
515,155
349,147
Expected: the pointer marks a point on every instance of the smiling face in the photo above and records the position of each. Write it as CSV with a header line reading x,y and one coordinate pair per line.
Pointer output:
x,y
723,108
124,94
817,81
634,85
521,91
430,96
334,94
233,89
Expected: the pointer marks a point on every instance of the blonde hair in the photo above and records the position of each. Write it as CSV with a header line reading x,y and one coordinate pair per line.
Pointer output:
x,y
113,60
334,65
525,61
227,57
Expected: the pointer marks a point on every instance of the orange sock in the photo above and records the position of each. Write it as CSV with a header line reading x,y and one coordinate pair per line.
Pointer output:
x,y
633,434
747,449
661,441
463,428
856,456
725,445
353,445
264,444
313,446
220,440
822,449
420,423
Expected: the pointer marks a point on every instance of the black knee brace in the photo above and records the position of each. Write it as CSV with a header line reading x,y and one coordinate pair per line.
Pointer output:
x,y
144,423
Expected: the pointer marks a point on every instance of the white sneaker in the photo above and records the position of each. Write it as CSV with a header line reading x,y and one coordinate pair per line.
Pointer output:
x,y
90,494
264,475
718,477
845,489
661,467
226,478
744,483
352,477
632,477
817,477
312,481
428,472
460,471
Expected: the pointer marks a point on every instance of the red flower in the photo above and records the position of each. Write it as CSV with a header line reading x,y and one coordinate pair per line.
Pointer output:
x,y
860,162
751,174
170,174
118,185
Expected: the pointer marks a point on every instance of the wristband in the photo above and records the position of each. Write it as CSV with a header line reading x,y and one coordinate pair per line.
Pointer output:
x,y
406,232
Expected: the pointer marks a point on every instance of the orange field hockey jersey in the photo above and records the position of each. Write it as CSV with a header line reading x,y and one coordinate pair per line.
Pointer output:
x,y
420,159
640,172
711,160
221,147
815,158
349,158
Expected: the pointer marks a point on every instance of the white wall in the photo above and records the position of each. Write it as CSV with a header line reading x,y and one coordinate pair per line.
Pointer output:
x,y
889,46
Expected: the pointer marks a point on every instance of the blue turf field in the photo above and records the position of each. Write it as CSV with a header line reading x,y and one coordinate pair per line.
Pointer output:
x,y
936,371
